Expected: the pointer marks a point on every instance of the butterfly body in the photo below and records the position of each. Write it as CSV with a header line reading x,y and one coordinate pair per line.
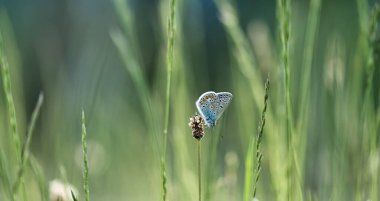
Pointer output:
x,y
211,106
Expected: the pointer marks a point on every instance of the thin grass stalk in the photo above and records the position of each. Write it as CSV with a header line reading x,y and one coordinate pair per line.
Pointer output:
x,y
259,154
368,104
181,76
25,147
197,129
169,57
9,100
85,160
199,171
370,66
284,18
368,29
374,19
362,55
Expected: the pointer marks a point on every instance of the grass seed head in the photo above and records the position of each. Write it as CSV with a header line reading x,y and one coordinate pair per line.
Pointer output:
x,y
197,126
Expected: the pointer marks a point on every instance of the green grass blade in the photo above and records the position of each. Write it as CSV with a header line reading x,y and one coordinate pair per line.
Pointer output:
x,y
248,175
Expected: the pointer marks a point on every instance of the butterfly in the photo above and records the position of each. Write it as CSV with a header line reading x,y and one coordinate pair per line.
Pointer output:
x,y
211,106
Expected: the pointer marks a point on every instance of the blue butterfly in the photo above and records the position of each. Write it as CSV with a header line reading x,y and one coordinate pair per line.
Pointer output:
x,y
211,106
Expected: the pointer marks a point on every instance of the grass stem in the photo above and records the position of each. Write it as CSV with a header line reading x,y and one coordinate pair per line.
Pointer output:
x,y
199,171
25,147
369,92
85,162
284,18
170,55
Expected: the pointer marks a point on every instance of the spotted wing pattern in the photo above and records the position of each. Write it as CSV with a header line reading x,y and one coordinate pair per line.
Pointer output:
x,y
211,106
224,99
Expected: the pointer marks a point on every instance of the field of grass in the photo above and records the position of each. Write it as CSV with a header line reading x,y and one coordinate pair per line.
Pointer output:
x,y
96,97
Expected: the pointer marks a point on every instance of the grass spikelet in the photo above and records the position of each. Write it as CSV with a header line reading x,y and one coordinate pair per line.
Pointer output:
x,y
9,99
85,162
259,154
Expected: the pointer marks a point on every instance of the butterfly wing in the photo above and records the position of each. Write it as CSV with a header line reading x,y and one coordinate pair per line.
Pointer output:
x,y
206,107
223,100
211,106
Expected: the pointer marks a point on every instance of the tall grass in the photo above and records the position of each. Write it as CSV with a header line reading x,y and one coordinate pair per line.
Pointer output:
x,y
181,164
170,57
326,150
284,12
22,153
260,129
368,104
9,100
368,32
199,170
85,160
5,77
11,117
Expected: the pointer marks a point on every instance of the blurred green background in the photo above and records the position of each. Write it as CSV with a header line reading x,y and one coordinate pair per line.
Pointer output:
x,y
109,58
